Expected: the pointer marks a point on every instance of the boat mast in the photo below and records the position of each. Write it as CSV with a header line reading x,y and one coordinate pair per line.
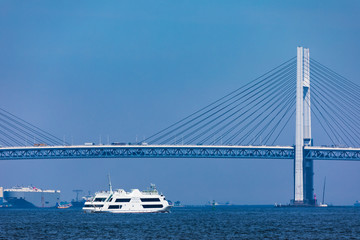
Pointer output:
x,y
323,199
110,187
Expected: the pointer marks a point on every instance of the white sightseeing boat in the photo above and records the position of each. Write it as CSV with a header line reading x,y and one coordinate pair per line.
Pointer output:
x,y
120,201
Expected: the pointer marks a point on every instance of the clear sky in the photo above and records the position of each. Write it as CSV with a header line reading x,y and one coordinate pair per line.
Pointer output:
x,y
86,70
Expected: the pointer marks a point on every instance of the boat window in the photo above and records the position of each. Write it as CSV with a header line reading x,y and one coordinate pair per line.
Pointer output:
x,y
115,207
153,206
150,200
99,199
99,206
122,200
88,206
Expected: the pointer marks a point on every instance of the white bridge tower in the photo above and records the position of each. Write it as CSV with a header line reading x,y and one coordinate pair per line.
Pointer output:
x,y
303,169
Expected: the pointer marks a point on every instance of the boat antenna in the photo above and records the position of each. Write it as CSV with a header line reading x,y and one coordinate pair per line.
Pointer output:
x,y
323,200
110,187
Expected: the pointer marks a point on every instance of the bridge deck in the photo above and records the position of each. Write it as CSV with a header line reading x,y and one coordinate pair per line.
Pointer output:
x,y
175,151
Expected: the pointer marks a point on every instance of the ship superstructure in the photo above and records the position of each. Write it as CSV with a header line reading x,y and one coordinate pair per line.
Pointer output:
x,y
120,201
30,197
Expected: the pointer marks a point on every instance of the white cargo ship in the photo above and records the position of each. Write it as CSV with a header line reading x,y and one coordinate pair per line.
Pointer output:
x,y
31,197
120,201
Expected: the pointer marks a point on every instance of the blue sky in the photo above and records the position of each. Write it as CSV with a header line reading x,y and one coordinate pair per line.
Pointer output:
x,y
125,69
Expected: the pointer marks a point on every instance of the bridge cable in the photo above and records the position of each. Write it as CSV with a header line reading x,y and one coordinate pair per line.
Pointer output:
x,y
275,127
30,127
219,100
10,137
332,129
277,136
344,96
5,142
18,129
268,103
211,115
229,140
346,110
313,112
285,104
337,81
290,103
243,113
267,106
336,74
216,112
334,102
206,131
336,122
263,119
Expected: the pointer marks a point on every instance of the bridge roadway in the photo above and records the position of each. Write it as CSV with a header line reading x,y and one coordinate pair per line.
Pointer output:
x,y
176,151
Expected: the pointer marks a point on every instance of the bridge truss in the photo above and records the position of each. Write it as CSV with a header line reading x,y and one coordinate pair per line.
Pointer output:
x,y
176,151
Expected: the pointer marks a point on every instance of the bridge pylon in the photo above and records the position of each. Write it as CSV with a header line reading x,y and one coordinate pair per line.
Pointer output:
x,y
303,168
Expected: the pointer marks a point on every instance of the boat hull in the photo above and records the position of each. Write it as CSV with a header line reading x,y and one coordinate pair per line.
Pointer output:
x,y
24,199
94,210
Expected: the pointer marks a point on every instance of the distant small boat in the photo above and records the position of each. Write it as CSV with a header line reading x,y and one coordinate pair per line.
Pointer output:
x,y
178,204
215,203
357,204
63,206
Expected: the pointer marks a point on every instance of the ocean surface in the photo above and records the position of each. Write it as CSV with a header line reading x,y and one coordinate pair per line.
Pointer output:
x,y
222,222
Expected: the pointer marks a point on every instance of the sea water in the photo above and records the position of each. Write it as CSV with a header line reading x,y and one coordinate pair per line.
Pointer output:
x,y
221,222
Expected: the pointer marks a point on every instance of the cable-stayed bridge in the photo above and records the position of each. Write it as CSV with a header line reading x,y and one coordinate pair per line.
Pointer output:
x,y
251,122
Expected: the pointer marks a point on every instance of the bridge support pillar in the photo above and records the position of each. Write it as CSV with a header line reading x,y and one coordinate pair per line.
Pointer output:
x,y
303,168
309,182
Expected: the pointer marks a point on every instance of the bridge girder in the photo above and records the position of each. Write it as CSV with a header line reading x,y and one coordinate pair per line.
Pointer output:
x,y
138,151
349,154
177,151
